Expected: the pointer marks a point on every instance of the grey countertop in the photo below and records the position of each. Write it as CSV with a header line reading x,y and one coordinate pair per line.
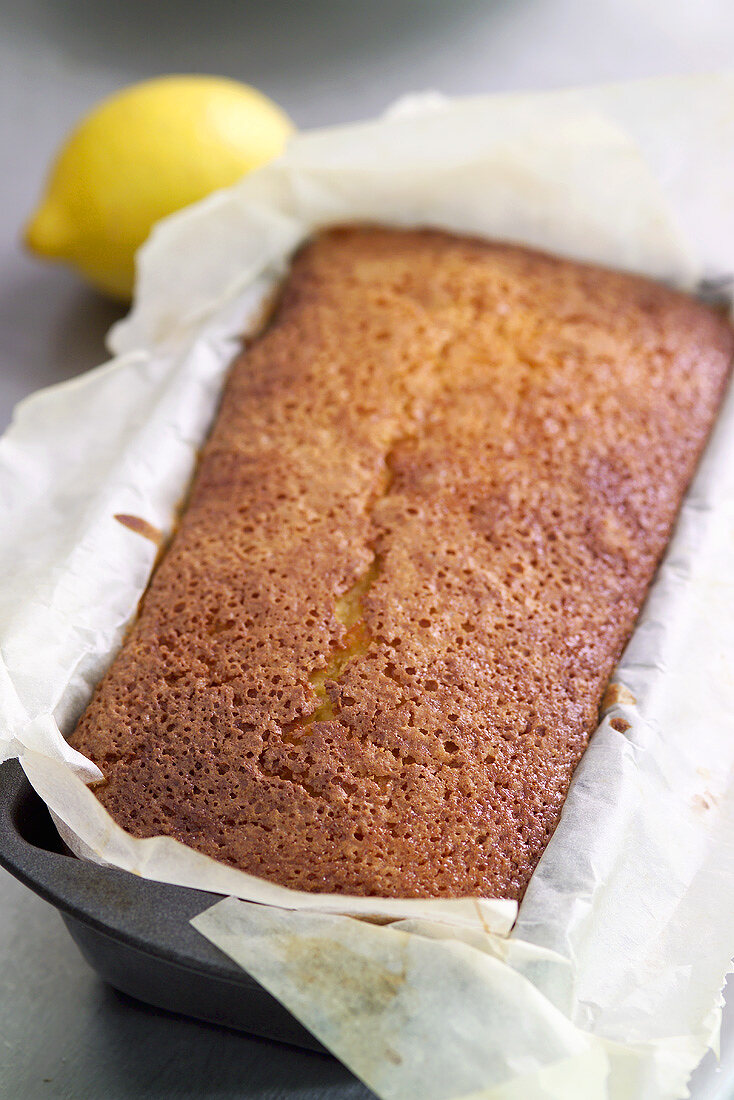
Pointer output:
x,y
63,1035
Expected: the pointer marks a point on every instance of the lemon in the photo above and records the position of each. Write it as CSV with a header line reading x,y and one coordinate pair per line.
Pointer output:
x,y
141,154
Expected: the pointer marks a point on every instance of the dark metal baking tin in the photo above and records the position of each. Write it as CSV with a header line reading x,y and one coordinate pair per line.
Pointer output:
x,y
134,932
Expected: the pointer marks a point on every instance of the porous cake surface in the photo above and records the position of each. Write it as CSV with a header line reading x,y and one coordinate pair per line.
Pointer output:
x,y
420,533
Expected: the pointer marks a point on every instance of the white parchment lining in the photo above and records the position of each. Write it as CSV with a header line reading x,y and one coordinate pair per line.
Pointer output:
x,y
609,985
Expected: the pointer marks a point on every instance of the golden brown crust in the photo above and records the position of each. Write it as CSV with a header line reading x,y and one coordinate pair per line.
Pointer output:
x,y
419,537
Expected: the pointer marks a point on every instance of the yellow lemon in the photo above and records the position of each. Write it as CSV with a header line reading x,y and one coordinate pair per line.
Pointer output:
x,y
141,154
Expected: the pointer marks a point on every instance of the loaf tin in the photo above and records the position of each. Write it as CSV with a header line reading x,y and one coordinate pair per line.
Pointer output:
x,y
135,932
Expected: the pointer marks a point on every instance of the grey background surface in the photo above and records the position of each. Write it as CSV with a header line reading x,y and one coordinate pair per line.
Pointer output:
x,y
63,1036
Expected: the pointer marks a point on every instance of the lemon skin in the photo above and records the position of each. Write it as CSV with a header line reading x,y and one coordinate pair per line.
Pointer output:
x,y
143,153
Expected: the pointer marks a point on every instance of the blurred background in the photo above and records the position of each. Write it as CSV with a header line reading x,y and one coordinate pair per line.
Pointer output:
x,y
62,1035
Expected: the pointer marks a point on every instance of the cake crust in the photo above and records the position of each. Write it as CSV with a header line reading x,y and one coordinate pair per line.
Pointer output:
x,y
418,539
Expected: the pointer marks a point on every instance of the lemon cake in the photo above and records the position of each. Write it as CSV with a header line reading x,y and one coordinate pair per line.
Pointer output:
x,y
419,536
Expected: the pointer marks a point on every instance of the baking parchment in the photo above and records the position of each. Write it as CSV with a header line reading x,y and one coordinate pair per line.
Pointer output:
x,y
609,984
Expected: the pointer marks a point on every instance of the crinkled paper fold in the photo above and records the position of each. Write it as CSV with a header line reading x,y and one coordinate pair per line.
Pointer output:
x,y
609,983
